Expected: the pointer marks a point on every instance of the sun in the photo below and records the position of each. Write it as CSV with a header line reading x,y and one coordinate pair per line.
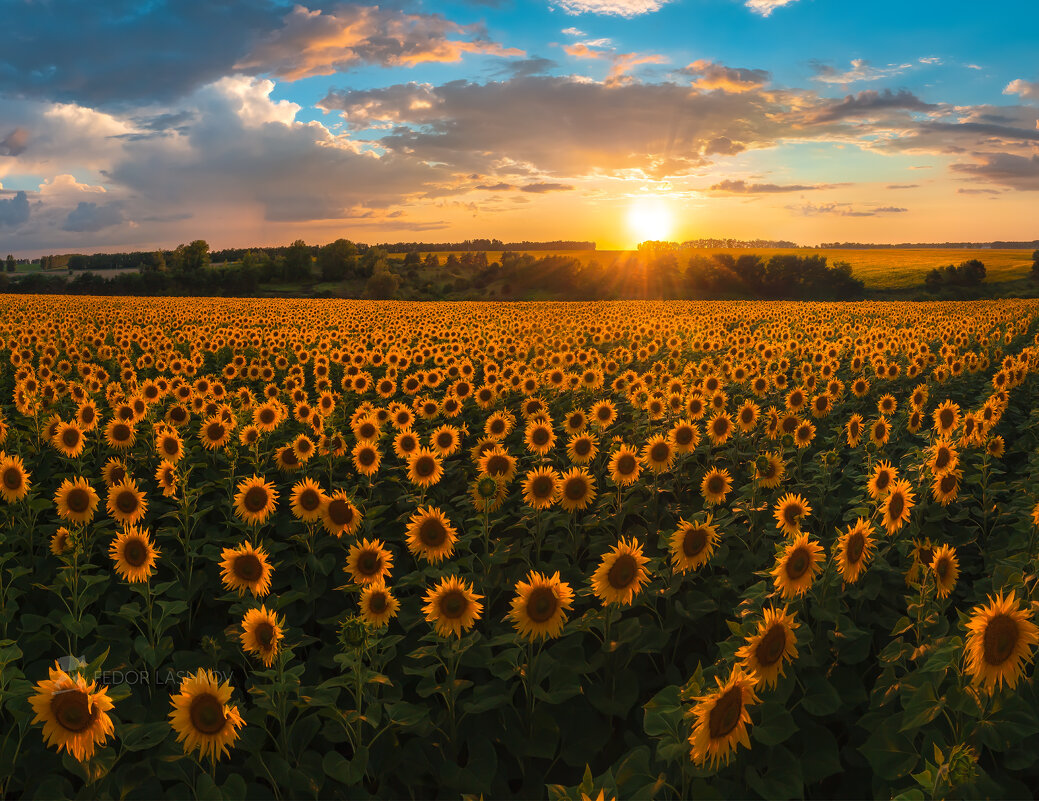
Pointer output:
x,y
650,218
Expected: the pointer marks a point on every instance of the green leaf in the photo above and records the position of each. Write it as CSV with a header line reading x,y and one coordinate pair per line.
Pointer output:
x,y
820,697
922,707
889,752
140,736
776,726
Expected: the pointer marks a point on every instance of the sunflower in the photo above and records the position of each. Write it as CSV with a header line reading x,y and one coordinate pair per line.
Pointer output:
x,y
497,462
114,472
897,505
378,605
214,433
86,415
452,607
620,574
719,429
576,489
120,434
306,500
60,541
796,568
405,444
74,713
853,429
246,568
339,516
540,488
789,511
715,486
286,460
431,535
487,493
999,640
168,445
14,478
76,500
602,414
166,478
262,634
804,434
658,455
424,468
946,569
854,550
540,605
445,440
134,554
769,469
255,500
747,416
883,478
539,437
693,544
369,562
722,718
625,466
684,437
201,716
995,447
943,458
774,644
945,488
126,503
581,448
946,418
69,440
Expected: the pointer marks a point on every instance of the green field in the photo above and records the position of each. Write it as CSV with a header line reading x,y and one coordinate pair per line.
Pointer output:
x,y
879,268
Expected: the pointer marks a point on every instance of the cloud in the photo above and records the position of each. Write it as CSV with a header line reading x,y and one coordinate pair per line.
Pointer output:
x,y
14,143
541,188
612,8
90,217
766,7
868,103
861,70
579,34
962,191
14,210
1004,169
741,187
313,43
621,64
843,210
1023,88
526,67
717,76
903,186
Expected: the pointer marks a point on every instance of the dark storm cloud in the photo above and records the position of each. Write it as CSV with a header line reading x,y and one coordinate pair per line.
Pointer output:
x,y
1005,169
90,218
869,103
14,210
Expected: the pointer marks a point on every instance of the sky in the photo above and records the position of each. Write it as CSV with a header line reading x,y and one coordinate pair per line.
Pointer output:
x,y
141,124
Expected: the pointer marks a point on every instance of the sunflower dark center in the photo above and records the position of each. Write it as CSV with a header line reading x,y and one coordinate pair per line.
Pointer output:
x,y
1000,640
791,513
539,436
367,431
445,439
309,499
126,501
798,563
694,542
622,572
432,532
770,648
896,505
855,546
78,500
13,479
408,444
264,633
425,466
453,604
247,567
340,512
377,602
720,427
582,446
943,566
135,553
660,452
73,711
542,604
369,562
497,426
883,479
70,437
121,432
255,499
575,488
726,714
945,418
178,414
626,464
170,446
215,432
716,484
207,714
267,416
498,465
542,486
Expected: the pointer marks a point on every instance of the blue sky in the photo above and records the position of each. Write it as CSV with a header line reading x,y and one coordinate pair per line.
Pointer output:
x,y
252,122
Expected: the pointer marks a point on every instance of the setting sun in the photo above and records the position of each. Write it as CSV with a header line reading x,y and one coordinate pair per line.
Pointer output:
x,y
649,218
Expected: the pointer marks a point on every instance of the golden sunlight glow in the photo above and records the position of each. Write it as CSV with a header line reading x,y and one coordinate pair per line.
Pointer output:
x,y
649,217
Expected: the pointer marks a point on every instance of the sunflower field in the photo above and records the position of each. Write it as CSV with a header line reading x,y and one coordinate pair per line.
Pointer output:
x,y
338,549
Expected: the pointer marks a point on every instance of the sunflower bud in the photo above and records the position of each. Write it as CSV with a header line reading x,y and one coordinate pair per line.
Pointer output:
x,y
963,765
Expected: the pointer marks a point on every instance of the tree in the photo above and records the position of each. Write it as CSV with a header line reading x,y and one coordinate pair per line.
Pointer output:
x,y
933,280
194,256
1035,265
10,263
337,260
298,261
383,284
972,272
431,262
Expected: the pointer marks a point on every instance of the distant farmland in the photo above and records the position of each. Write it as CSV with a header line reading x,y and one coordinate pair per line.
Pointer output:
x,y
879,268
